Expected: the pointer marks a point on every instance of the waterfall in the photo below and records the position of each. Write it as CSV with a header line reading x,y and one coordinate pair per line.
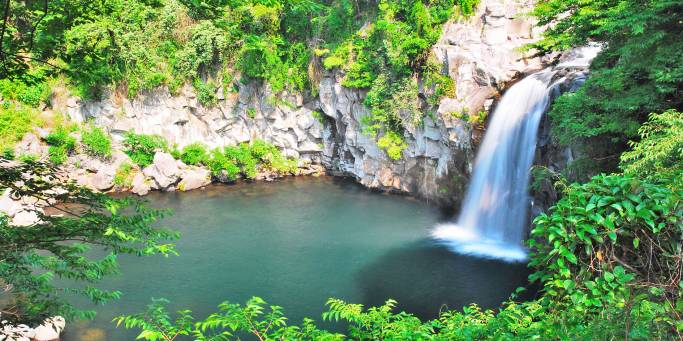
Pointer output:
x,y
493,217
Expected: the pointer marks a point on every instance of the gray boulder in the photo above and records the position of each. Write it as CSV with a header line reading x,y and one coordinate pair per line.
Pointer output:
x,y
164,170
194,178
140,185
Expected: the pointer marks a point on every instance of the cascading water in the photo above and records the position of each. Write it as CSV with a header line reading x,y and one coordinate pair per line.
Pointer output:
x,y
494,213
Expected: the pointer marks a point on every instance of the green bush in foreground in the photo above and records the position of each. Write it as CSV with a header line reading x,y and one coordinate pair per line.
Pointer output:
x,y
96,142
222,166
34,257
141,148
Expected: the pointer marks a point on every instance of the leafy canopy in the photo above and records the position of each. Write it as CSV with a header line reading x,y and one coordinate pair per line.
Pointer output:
x,y
639,71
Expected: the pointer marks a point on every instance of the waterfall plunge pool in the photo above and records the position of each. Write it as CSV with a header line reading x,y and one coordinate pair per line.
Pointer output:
x,y
296,243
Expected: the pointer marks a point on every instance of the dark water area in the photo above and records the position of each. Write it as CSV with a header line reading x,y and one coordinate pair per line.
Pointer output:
x,y
297,243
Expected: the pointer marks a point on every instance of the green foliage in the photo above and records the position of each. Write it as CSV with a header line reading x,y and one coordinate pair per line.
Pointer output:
x,y
639,70
194,154
29,94
442,85
467,7
61,145
393,144
245,159
206,92
221,166
205,49
242,157
96,142
141,148
659,153
15,121
7,153
320,117
478,119
58,154
33,257
124,175
262,321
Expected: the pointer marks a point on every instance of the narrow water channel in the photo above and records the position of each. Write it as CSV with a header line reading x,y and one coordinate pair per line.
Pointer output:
x,y
297,243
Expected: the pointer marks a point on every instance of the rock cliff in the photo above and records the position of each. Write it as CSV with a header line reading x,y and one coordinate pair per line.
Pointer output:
x,y
480,53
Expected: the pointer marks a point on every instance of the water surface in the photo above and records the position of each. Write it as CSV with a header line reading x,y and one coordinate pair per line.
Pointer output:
x,y
296,243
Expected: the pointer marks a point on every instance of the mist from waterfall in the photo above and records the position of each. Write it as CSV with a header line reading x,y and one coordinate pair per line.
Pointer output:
x,y
493,217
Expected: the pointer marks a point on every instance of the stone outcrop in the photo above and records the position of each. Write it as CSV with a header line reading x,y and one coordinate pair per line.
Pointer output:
x,y
164,170
193,178
554,157
481,53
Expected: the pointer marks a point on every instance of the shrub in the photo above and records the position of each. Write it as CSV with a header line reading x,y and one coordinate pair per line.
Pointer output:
x,y
332,62
194,154
271,157
206,92
29,94
61,137
393,144
58,154
96,142
141,148
245,158
8,153
61,145
15,121
124,175
660,150
220,165
28,158
242,156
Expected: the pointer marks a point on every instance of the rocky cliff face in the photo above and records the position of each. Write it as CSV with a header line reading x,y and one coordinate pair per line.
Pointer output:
x,y
479,53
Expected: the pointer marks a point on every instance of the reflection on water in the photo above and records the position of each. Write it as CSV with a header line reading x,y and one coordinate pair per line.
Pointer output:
x,y
425,277
297,243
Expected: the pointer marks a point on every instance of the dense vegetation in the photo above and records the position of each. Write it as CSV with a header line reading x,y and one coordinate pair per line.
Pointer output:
x,y
225,163
638,72
608,256
133,46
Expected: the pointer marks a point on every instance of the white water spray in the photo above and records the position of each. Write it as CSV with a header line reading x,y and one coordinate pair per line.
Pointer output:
x,y
493,218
